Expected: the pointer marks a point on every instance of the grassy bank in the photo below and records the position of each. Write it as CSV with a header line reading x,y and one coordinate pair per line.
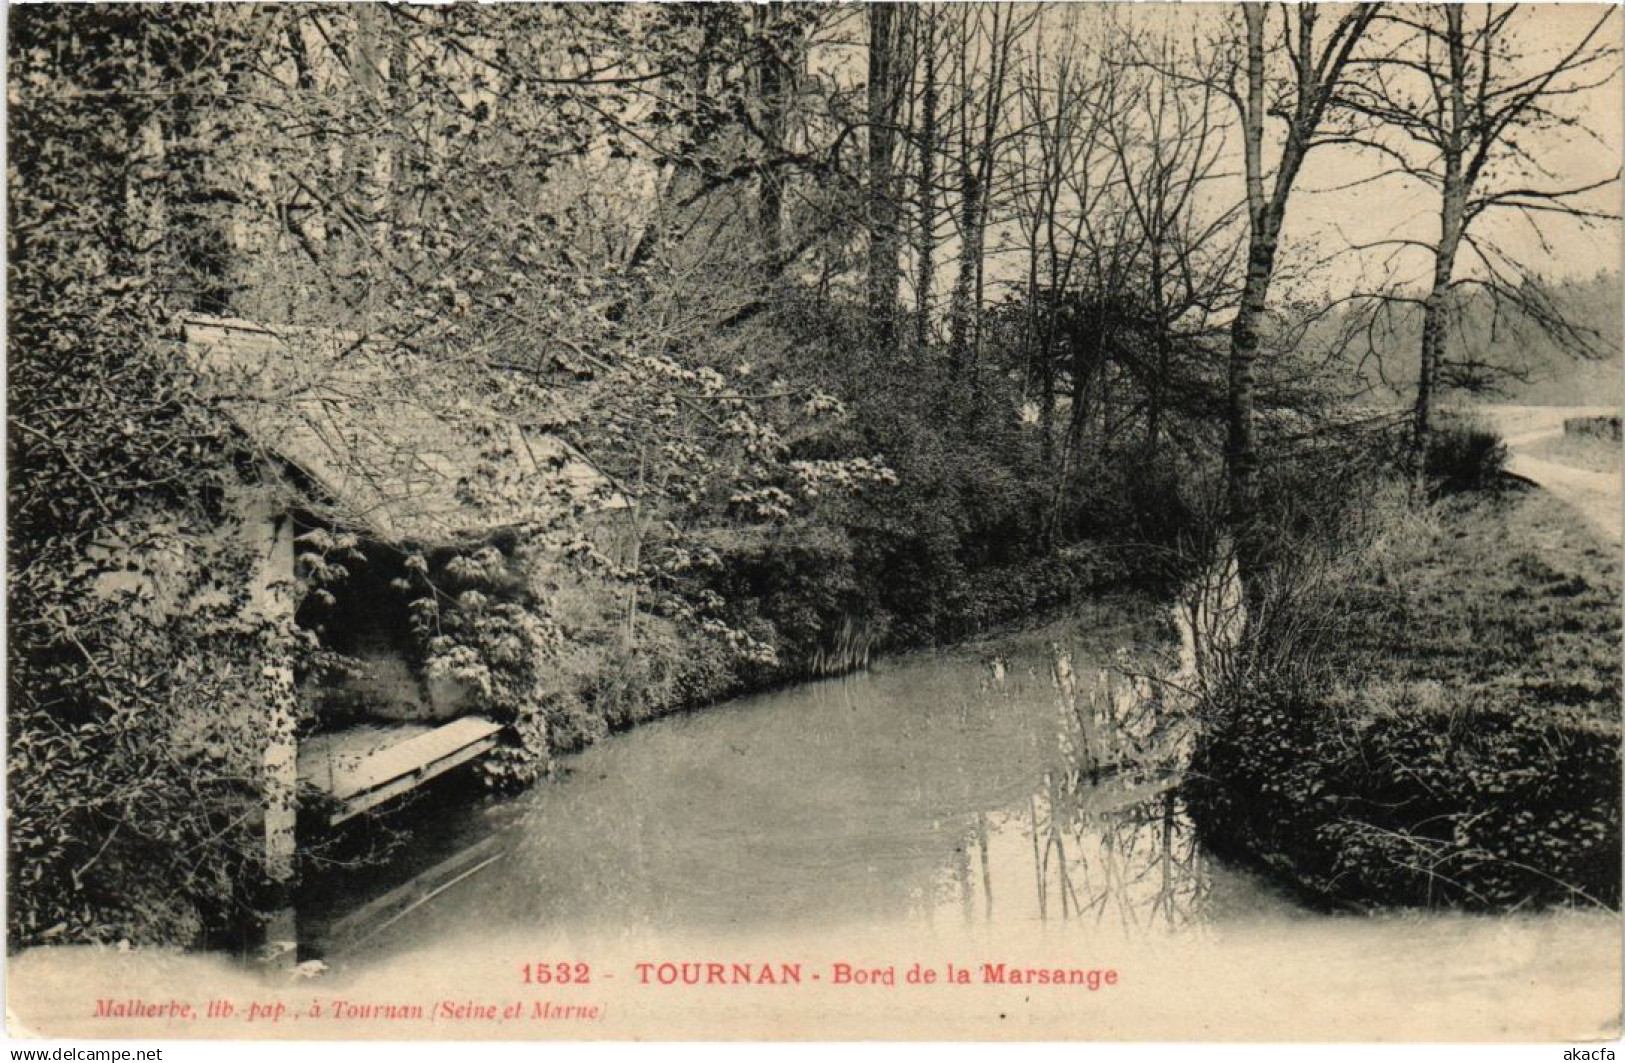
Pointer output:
x,y
1509,595
1460,745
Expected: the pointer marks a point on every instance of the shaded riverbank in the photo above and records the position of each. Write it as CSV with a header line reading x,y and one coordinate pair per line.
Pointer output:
x,y
930,811
1460,745
938,785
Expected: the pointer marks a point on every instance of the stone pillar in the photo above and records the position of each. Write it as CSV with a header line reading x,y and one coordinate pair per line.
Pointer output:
x,y
271,602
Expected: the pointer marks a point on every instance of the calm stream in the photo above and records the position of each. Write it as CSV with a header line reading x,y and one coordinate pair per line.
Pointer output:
x,y
937,809
931,802
938,788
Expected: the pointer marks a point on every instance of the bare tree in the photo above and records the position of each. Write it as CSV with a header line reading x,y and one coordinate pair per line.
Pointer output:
x,y
884,100
1062,184
927,144
1316,68
1169,143
1460,103
987,41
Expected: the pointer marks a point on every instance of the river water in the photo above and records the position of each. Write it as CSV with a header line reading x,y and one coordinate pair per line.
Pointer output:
x,y
1007,802
1011,799
936,789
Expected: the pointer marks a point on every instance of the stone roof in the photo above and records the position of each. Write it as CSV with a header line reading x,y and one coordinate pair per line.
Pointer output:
x,y
392,439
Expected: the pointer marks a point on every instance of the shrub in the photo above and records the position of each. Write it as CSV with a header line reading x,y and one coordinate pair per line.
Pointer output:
x,y
1465,454
136,685
1438,798
1595,427
1359,772
137,718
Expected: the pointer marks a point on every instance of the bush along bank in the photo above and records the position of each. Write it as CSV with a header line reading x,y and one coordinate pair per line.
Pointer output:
x,y
554,657
1461,804
794,631
1457,744
968,538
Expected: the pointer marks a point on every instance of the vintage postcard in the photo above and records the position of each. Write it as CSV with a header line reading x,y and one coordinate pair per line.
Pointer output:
x,y
681,521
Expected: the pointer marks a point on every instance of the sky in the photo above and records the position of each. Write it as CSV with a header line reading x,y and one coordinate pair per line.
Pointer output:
x,y
1326,218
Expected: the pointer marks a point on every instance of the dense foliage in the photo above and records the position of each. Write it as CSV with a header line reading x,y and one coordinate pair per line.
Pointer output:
x,y
1466,455
858,354
133,668
1451,740
1477,802
795,496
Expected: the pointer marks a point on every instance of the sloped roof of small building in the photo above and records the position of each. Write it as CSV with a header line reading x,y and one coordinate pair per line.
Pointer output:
x,y
391,438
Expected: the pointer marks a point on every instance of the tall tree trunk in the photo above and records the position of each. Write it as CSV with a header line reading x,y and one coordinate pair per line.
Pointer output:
x,y
970,250
770,86
1241,455
369,162
1046,401
975,183
1082,406
403,152
146,210
1452,223
1434,334
1316,76
925,191
882,220
1156,394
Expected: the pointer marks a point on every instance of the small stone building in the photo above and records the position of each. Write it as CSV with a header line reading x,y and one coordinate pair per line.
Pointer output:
x,y
383,449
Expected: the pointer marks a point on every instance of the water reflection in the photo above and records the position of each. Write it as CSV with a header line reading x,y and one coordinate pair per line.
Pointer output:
x,y
1102,835
1025,785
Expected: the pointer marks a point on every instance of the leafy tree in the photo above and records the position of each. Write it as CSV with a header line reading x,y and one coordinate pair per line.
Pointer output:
x,y
136,693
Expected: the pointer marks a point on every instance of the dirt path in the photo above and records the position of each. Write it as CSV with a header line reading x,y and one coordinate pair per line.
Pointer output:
x,y
1595,495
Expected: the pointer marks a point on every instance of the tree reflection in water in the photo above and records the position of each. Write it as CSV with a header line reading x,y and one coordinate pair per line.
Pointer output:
x,y
1108,839
1034,775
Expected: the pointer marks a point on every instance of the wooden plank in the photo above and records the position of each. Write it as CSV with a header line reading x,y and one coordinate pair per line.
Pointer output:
x,y
359,783
321,755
